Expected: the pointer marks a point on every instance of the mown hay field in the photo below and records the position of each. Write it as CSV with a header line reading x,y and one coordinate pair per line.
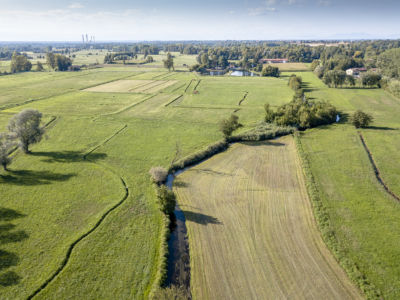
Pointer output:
x,y
251,229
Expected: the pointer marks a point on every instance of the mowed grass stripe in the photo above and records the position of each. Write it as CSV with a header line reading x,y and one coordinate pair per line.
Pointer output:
x,y
251,230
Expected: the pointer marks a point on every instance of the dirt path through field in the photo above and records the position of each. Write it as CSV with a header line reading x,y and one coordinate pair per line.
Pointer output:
x,y
251,230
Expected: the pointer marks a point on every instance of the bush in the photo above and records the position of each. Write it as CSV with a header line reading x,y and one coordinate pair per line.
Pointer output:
x,y
295,82
158,174
270,71
167,200
361,119
394,87
172,293
302,114
200,155
228,126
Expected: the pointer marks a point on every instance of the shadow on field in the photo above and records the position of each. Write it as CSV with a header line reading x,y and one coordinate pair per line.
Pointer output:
x,y
210,171
200,218
380,128
68,156
9,235
264,143
30,177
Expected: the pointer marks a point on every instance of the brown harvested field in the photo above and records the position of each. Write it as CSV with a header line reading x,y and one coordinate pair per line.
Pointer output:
x,y
292,67
119,86
154,86
251,230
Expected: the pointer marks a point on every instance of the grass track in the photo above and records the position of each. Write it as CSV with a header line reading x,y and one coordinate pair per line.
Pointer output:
x,y
251,230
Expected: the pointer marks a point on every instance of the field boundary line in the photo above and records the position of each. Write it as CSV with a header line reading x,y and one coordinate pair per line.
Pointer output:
x,y
244,97
124,108
109,81
173,100
197,84
177,88
97,224
377,172
190,82
325,228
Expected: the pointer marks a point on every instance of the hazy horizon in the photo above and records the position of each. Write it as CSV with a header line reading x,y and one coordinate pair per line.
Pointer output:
x,y
177,20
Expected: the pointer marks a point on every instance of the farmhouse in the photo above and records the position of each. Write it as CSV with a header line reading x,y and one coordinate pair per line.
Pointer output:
x,y
355,71
274,60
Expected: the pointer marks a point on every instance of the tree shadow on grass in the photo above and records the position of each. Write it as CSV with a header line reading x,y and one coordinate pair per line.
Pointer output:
x,y
264,143
68,156
9,278
200,218
380,128
30,177
9,235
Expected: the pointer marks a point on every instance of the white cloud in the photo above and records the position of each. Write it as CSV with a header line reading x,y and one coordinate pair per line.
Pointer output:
x,y
76,5
266,7
324,2
259,11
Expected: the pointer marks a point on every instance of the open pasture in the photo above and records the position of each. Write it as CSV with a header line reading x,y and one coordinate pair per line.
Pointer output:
x,y
251,230
363,216
228,91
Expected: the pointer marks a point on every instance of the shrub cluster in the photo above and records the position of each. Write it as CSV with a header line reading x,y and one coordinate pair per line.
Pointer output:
x,y
361,119
263,131
301,114
158,174
167,200
228,126
200,155
270,71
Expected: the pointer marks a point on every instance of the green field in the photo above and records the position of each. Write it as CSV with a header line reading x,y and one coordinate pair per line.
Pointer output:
x,y
86,187
55,196
365,219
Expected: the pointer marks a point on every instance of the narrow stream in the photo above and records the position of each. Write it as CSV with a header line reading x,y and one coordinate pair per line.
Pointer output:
x,y
178,270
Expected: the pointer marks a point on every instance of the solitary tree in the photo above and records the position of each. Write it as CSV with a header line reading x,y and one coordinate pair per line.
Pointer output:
x,y
39,66
26,128
361,119
6,145
169,62
228,126
51,60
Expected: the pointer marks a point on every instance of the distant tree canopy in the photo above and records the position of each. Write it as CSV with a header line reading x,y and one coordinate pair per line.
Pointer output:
x,y
371,79
169,62
361,119
39,66
334,78
301,114
389,63
20,63
58,62
270,71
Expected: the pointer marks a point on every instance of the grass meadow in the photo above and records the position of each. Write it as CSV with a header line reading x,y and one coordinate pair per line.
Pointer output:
x,y
52,198
364,218
87,186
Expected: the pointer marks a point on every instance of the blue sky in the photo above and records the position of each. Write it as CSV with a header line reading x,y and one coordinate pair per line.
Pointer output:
x,y
201,20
